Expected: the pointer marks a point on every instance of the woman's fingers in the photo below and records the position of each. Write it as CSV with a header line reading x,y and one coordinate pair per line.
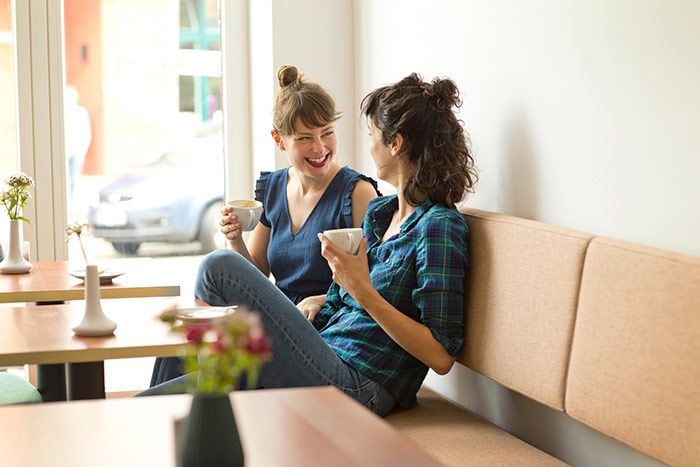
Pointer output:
x,y
328,249
229,224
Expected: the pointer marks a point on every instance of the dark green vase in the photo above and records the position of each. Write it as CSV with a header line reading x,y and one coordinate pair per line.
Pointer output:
x,y
209,435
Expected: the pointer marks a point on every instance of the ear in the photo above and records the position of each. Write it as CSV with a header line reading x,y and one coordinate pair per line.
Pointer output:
x,y
278,139
396,145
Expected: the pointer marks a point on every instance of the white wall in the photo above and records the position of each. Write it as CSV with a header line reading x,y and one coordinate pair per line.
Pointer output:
x,y
582,114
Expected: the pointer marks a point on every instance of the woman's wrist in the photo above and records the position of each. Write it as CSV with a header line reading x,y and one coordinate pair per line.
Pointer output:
x,y
367,298
237,244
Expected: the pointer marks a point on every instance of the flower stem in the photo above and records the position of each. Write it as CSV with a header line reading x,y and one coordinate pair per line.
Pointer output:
x,y
80,240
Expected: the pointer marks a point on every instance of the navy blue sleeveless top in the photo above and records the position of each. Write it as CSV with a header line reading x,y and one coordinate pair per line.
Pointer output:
x,y
295,259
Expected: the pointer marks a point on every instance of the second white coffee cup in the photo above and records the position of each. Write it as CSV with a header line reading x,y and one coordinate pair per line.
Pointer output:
x,y
248,212
347,239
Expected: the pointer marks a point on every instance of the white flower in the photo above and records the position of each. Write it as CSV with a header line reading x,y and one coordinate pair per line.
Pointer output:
x,y
77,229
16,195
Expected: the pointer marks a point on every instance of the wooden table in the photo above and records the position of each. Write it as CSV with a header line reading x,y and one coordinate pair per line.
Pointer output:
x,y
42,335
49,281
292,427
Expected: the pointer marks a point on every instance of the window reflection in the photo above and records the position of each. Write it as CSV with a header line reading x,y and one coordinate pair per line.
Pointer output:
x,y
148,75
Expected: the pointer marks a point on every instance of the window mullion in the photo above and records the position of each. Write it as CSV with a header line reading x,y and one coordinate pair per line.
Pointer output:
x,y
40,122
235,84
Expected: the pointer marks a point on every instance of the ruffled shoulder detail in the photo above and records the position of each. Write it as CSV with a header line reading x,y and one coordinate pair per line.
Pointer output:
x,y
261,186
352,178
260,192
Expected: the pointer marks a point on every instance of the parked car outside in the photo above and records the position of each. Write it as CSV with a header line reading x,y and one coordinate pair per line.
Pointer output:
x,y
175,199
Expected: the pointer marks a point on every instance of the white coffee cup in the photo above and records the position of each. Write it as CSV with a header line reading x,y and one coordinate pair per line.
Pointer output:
x,y
248,212
346,239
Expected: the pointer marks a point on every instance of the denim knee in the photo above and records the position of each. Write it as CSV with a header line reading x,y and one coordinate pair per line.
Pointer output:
x,y
215,266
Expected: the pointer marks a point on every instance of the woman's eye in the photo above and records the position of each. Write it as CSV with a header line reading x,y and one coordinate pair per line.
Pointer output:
x,y
328,133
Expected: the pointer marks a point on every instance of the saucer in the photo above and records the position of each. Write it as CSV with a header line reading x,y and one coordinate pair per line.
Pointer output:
x,y
204,314
106,276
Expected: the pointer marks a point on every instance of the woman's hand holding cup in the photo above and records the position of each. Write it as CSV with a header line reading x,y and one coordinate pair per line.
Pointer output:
x,y
239,216
230,225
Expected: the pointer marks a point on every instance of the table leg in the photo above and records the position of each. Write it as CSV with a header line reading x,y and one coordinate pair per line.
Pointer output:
x,y
51,382
86,380
51,379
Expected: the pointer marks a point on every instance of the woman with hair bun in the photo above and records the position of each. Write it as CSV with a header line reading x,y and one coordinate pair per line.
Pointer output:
x,y
395,309
313,194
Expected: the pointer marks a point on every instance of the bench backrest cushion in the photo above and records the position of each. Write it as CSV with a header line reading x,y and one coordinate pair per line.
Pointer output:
x,y
521,296
635,359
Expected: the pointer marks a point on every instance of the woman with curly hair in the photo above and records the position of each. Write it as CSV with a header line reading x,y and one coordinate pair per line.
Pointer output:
x,y
395,309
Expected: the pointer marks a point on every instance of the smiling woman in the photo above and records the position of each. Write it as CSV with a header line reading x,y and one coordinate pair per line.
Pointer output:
x,y
313,194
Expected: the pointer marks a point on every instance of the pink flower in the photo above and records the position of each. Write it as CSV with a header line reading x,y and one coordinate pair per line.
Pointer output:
x,y
195,332
258,344
219,352
222,343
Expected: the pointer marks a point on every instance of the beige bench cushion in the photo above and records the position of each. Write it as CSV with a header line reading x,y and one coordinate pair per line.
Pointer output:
x,y
635,361
521,300
455,436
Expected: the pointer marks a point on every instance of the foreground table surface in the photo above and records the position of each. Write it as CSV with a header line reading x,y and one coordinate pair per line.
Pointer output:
x,y
43,335
304,427
50,281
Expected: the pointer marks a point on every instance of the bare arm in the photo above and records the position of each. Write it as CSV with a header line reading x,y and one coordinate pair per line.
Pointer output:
x,y
258,242
363,193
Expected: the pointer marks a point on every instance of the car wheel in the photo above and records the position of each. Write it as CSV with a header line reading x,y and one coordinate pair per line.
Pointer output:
x,y
126,248
209,235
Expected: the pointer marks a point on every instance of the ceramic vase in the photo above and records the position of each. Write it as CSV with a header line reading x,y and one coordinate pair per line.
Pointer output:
x,y
209,435
94,322
14,262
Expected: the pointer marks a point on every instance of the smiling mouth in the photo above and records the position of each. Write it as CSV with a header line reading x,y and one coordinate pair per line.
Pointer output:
x,y
318,162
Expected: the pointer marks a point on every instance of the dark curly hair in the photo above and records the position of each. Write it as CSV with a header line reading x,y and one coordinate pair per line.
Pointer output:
x,y
298,98
434,140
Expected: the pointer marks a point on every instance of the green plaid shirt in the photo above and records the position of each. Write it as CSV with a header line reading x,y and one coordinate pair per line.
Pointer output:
x,y
420,271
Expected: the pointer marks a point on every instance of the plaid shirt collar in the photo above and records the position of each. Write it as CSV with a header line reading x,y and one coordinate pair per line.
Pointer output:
x,y
381,217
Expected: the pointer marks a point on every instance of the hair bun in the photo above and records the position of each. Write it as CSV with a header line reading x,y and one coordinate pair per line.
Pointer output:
x,y
444,93
287,75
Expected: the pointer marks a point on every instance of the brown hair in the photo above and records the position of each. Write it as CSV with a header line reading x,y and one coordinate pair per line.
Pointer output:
x,y
434,140
300,99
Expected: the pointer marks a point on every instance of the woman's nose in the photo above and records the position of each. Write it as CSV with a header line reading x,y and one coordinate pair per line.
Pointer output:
x,y
317,145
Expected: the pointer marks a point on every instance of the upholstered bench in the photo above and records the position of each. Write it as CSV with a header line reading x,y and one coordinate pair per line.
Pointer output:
x,y
587,348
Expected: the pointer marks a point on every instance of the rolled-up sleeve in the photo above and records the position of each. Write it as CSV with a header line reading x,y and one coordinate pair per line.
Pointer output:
x,y
441,260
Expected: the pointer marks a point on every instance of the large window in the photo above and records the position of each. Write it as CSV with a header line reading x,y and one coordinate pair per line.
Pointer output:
x,y
120,122
144,134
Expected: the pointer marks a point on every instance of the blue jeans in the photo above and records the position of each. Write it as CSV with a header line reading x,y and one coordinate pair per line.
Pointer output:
x,y
300,357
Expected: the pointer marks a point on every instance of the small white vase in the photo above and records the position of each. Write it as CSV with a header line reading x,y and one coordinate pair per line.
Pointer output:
x,y
94,323
14,262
